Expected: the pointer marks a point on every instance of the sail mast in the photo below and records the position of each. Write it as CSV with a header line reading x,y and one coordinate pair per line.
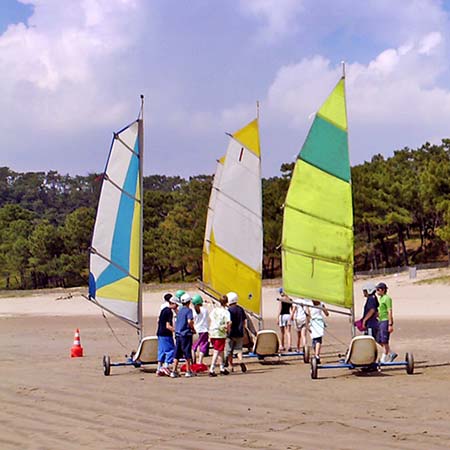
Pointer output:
x,y
141,231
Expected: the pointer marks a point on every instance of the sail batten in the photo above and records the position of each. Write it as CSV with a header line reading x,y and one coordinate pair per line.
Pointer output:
x,y
232,251
317,242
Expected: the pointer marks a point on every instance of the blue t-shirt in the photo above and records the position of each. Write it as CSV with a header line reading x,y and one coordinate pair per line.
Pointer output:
x,y
371,303
182,327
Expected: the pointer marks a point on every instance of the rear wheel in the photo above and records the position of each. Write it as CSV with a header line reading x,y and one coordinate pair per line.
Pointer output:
x,y
314,367
106,365
306,354
409,363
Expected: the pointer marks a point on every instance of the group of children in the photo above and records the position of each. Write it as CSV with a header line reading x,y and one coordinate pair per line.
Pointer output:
x,y
182,317
304,315
377,320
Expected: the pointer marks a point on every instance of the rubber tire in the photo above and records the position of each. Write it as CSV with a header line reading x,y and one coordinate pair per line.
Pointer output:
x,y
409,357
106,365
314,369
306,354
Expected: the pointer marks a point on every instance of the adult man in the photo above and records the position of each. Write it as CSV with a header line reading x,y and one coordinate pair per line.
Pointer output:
x,y
386,322
235,337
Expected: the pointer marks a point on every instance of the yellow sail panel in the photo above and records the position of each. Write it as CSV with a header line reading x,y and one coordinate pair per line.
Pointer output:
x,y
126,289
222,270
135,247
249,136
334,109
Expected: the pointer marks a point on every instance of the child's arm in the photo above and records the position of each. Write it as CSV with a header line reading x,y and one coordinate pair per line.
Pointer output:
x,y
325,310
170,327
191,325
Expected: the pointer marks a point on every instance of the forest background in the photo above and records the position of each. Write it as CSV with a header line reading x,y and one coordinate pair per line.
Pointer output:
x,y
401,218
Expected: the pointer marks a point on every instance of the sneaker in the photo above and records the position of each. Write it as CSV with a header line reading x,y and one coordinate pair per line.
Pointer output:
x,y
212,374
188,374
165,371
174,374
224,372
383,358
243,367
392,356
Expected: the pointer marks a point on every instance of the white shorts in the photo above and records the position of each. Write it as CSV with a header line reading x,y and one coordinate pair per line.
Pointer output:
x,y
284,320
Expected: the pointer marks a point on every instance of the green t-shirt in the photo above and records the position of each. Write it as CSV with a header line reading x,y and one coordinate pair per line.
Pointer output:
x,y
385,304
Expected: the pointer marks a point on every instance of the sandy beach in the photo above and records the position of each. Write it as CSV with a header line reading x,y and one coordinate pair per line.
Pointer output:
x,y
50,401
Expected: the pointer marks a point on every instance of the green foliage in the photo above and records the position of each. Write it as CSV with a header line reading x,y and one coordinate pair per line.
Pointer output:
x,y
401,216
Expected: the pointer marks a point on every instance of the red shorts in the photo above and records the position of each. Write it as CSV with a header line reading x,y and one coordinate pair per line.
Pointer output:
x,y
218,344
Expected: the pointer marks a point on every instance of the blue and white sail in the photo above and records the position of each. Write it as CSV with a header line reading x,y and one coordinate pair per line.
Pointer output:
x,y
116,251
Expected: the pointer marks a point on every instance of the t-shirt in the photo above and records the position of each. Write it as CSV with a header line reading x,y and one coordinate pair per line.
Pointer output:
x,y
238,317
219,318
384,306
285,308
300,314
166,315
317,323
371,303
182,327
201,320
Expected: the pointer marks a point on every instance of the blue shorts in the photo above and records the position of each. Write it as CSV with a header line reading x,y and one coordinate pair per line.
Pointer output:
x,y
166,349
183,347
317,340
383,332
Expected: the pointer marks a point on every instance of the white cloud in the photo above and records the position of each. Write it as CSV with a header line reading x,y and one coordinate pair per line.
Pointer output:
x,y
278,16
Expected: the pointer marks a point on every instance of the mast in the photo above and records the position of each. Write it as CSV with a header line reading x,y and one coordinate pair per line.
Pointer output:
x,y
141,232
261,313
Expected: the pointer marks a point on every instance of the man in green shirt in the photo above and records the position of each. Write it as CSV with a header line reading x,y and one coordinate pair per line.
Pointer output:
x,y
386,322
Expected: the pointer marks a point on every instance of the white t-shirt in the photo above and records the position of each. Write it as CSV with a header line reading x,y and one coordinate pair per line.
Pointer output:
x,y
317,323
219,317
300,314
201,320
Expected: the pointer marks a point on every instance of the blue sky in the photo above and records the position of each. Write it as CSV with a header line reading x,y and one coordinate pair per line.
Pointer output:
x,y
74,75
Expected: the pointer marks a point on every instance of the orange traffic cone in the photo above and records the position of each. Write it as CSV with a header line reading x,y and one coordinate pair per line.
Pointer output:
x,y
77,350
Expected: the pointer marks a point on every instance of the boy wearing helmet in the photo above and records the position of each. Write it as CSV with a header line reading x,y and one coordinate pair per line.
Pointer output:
x,y
235,337
386,322
201,325
184,329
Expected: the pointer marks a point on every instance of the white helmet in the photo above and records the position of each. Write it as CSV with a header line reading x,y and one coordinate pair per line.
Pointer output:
x,y
370,288
232,298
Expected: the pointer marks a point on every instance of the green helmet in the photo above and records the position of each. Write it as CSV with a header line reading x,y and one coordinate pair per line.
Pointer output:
x,y
197,300
179,293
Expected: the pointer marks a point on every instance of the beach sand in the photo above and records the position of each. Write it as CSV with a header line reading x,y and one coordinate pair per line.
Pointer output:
x,y
50,401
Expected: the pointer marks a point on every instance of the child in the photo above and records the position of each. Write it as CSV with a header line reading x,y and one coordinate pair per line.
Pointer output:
x,y
235,337
184,329
298,318
166,347
284,320
317,325
219,328
201,325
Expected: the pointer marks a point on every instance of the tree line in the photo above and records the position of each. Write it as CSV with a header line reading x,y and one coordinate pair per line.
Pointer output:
x,y
401,217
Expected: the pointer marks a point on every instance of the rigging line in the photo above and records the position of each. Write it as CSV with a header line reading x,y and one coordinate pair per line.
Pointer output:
x,y
107,178
236,202
95,252
318,217
116,136
112,331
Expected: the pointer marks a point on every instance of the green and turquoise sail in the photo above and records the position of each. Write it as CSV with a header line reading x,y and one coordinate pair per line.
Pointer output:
x,y
317,242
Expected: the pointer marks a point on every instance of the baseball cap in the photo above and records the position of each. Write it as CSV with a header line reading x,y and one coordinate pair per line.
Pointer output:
x,y
381,286
232,298
370,288
185,298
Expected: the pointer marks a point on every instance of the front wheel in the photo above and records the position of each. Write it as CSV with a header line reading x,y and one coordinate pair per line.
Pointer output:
x,y
106,365
314,368
306,354
409,363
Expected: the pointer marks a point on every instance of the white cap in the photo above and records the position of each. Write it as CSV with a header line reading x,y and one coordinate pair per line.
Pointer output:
x,y
185,298
232,298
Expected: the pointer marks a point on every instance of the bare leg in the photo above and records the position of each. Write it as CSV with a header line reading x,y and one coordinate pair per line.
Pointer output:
x,y
214,360
283,330
200,358
288,337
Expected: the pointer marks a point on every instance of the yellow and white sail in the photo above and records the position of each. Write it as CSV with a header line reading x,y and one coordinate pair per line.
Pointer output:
x,y
233,246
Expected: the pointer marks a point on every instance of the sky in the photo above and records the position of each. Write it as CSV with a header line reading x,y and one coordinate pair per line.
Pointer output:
x,y
73,70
